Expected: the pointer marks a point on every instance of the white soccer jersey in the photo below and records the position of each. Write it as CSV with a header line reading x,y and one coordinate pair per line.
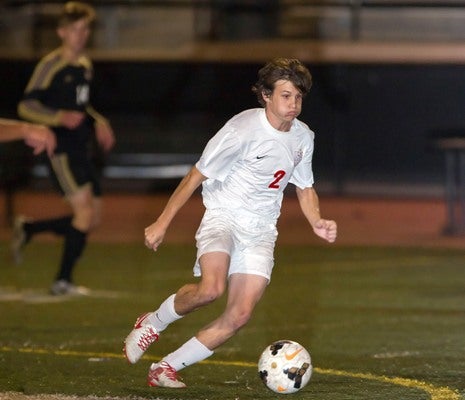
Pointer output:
x,y
249,163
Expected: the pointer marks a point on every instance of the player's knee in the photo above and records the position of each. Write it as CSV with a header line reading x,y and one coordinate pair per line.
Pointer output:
x,y
208,296
209,293
95,221
83,217
240,318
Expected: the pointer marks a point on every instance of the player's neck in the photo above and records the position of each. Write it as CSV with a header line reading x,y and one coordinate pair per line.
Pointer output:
x,y
70,55
277,123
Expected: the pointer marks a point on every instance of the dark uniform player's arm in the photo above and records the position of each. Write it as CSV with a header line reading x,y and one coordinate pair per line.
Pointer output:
x,y
33,110
32,107
96,116
103,130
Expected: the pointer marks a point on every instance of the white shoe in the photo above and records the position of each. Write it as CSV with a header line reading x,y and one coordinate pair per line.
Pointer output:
x,y
65,288
140,338
164,375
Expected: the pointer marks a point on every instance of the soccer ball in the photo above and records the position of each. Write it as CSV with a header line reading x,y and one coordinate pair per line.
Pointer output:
x,y
285,366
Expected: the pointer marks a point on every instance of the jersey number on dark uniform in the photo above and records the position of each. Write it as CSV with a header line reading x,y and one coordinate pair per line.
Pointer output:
x,y
82,94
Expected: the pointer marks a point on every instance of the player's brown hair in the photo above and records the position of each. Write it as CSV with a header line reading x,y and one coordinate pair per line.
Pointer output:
x,y
289,69
74,11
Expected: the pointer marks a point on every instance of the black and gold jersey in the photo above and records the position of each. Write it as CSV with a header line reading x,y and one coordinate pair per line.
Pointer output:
x,y
58,85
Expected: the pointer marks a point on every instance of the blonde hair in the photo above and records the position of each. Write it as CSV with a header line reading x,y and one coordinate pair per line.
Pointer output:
x,y
74,11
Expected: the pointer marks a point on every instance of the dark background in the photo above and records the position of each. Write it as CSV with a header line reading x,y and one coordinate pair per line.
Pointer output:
x,y
372,122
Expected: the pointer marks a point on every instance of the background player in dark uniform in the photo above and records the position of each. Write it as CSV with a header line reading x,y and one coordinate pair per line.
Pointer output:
x,y
58,95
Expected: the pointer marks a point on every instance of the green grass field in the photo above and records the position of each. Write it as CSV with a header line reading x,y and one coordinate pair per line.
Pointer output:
x,y
380,323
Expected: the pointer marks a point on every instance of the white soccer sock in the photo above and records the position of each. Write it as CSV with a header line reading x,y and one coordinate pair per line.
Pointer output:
x,y
189,353
165,314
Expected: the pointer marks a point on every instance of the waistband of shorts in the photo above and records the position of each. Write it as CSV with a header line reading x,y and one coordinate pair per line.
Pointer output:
x,y
241,216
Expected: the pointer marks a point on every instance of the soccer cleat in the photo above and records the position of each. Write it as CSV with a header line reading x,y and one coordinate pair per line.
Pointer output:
x,y
65,288
140,338
19,239
164,375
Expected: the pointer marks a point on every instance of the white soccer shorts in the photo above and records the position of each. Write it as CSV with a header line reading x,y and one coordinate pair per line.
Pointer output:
x,y
248,241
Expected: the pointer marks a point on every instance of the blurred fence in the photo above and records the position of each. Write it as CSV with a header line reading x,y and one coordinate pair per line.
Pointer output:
x,y
132,24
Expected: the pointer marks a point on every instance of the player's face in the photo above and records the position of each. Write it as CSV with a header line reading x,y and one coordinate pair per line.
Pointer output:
x,y
283,105
75,36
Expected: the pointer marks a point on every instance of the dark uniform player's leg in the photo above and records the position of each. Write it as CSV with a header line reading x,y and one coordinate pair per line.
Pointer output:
x,y
78,184
75,241
24,230
59,226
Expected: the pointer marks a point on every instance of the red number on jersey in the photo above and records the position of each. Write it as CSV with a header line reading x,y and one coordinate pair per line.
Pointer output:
x,y
278,175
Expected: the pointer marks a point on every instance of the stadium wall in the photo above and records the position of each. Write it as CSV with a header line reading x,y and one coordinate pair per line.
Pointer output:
x,y
373,122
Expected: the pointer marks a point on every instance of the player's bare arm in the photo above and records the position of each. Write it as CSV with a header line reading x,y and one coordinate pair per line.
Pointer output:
x,y
103,130
71,119
155,233
39,137
105,135
309,203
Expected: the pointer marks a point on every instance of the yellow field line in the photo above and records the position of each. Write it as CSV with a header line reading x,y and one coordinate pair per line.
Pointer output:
x,y
436,393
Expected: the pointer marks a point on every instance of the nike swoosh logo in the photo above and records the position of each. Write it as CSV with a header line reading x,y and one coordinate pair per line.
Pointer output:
x,y
289,357
260,157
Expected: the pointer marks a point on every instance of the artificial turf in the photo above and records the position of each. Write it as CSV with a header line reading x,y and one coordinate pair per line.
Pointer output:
x,y
379,323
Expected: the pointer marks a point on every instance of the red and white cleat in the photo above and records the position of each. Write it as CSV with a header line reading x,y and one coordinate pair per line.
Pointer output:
x,y
164,375
140,338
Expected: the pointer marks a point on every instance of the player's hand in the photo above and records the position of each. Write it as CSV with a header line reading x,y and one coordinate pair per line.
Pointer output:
x,y
154,235
71,119
326,229
40,138
105,135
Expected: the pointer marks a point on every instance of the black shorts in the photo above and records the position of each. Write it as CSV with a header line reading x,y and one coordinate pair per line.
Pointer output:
x,y
71,172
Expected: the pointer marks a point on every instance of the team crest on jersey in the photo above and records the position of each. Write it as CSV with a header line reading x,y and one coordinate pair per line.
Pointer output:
x,y
298,156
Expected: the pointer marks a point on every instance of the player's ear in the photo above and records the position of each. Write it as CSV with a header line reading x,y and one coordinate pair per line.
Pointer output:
x,y
266,96
60,32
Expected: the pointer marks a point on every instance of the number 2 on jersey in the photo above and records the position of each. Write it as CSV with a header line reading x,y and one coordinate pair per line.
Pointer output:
x,y
278,176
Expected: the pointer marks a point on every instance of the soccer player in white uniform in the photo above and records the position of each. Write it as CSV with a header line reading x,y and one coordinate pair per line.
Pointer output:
x,y
243,171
